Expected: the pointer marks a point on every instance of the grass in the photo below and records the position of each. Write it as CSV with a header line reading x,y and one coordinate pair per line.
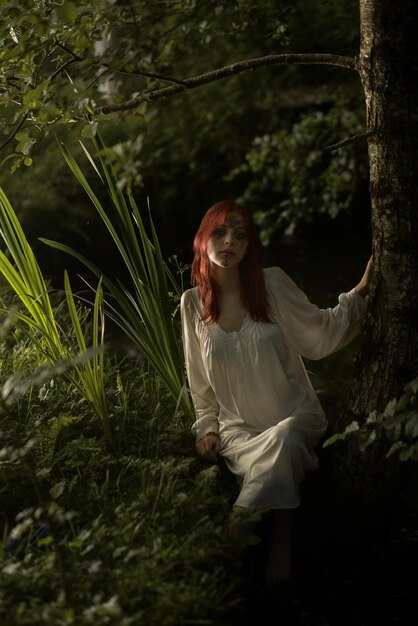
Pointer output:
x,y
134,537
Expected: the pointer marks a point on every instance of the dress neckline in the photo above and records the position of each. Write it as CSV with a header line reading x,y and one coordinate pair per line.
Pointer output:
x,y
244,324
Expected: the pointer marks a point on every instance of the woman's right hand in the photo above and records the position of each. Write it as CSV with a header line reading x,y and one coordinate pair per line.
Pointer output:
x,y
209,446
363,286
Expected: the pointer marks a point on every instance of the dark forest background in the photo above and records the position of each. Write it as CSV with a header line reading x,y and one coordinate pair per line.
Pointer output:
x,y
139,531
259,137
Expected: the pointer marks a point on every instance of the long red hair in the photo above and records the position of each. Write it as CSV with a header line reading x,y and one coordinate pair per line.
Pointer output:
x,y
253,288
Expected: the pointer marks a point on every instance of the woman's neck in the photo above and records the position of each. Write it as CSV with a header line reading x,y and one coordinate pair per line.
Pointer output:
x,y
228,279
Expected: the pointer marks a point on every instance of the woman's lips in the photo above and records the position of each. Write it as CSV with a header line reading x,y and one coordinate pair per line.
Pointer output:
x,y
227,252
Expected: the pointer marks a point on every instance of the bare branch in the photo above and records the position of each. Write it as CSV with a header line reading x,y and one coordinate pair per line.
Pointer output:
x,y
91,83
62,68
349,63
168,79
16,130
346,142
73,54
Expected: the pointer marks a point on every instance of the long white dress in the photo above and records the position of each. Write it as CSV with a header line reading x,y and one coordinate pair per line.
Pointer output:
x,y
251,386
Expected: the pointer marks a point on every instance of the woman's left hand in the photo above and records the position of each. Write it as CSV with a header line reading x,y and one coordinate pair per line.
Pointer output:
x,y
209,446
363,286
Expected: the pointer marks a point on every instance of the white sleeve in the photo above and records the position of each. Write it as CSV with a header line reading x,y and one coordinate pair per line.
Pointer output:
x,y
311,331
203,397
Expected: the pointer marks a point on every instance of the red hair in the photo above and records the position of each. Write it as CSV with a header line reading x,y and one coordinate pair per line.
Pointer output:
x,y
253,288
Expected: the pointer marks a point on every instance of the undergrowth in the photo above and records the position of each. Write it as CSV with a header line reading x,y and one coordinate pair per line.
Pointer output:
x,y
90,536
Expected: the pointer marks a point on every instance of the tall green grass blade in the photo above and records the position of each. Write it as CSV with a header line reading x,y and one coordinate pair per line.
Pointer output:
x,y
71,162
73,313
26,280
142,310
25,277
91,376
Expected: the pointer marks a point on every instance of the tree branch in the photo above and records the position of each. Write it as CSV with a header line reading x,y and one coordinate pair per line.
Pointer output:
x,y
349,63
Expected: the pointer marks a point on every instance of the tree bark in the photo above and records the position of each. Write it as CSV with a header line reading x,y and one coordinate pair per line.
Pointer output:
x,y
388,67
388,359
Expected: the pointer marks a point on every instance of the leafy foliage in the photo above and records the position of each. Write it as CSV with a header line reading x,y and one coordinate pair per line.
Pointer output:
x,y
61,60
398,424
92,53
292,178
40,42
94,538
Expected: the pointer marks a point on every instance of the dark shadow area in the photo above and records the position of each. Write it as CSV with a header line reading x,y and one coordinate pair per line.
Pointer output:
x,y
349,568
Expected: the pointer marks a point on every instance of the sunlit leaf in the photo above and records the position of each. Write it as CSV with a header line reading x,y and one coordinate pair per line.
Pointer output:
x,y
67,12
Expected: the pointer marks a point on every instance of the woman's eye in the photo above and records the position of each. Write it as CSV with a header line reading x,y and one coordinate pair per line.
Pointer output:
x,y
241,234
219,232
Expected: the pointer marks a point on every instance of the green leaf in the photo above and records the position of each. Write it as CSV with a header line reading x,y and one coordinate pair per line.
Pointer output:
x,y
366,440
398,445
412,387
411,426
337,437
67,12
407,453
89,130
351,428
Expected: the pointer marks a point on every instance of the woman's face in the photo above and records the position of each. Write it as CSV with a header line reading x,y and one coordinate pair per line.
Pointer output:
x,y
229,243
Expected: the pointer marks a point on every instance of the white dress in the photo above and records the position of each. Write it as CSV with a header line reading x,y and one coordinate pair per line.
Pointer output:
x,y
252,388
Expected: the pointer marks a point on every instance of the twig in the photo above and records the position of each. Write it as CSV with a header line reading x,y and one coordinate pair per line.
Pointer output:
x,y
236,68
73,54
168,79
346,142
91,83
16,130
62,68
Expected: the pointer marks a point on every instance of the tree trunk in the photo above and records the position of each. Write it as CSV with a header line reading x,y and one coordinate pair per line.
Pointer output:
x,y
388,359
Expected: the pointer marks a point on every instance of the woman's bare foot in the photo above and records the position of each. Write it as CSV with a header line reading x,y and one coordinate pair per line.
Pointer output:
x,y
279,558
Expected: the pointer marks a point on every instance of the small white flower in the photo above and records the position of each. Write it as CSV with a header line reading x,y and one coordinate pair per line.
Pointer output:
x,y
13,34
43,392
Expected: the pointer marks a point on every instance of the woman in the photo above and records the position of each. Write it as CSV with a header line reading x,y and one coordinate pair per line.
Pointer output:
x,y
245,330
